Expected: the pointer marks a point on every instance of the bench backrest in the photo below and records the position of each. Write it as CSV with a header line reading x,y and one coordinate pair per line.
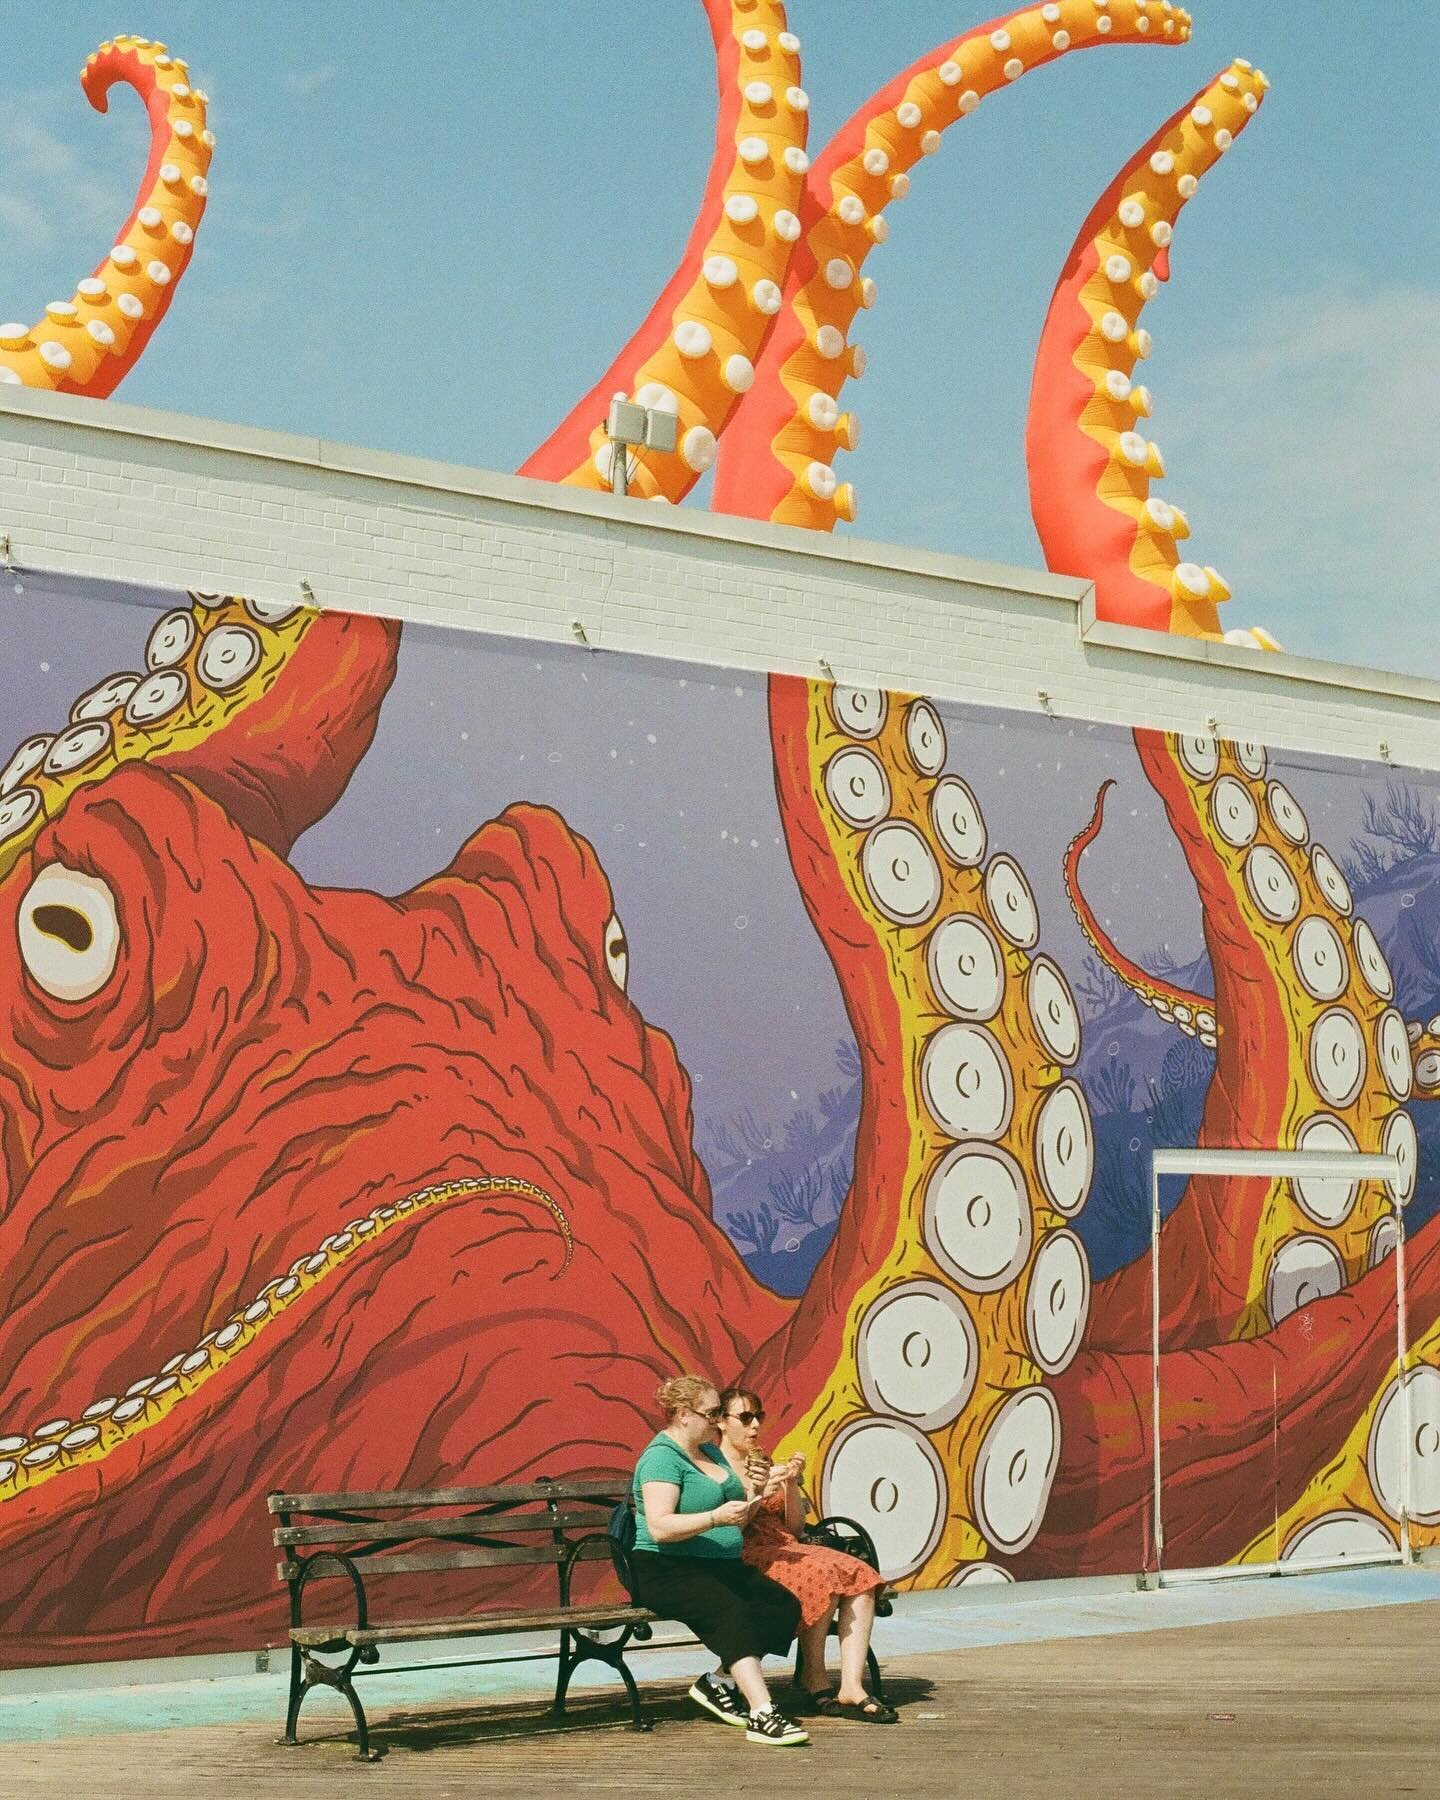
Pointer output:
x,y
525,1523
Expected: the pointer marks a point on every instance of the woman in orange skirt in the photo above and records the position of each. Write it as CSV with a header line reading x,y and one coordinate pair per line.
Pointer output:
x,y
820,1578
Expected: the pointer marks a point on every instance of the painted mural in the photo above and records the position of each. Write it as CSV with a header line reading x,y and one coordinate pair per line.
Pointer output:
x,y
392,1094
411,1053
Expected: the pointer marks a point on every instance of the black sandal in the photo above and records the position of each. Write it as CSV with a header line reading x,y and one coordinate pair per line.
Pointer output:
x,y
809,1701
869,1711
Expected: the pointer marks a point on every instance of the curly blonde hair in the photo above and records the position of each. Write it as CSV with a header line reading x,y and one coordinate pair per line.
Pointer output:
x,y
682,1391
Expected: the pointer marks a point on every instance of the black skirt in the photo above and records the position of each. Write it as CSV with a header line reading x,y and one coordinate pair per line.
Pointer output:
x,y
733,1609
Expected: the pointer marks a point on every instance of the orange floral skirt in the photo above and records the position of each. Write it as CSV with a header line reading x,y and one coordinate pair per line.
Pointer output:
x,y
815,1574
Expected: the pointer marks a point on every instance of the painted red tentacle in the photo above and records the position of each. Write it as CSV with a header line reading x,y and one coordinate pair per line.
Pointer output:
x,y
267,706
695,351
794,1365
89,343
1207,1243
1324,1363
791,424
1193,1012
1089,467
282,764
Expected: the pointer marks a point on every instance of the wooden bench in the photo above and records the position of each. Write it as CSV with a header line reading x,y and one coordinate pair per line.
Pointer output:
x,y
362,1537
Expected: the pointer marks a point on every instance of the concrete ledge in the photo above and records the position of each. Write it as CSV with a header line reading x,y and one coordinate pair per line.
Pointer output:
x,y
454,479
154,501
1239,664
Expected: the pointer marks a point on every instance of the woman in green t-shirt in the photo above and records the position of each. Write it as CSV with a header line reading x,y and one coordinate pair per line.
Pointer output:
x,y
690,1513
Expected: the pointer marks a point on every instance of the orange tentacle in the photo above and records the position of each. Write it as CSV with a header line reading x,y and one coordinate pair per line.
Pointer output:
x,y
1193,1013
777,460
1089,467
695,353
89,343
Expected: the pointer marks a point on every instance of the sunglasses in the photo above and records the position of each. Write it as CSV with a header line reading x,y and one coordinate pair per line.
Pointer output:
x,y
749,1418
713,1414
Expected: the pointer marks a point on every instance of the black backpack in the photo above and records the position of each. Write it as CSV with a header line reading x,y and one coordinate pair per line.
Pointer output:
x,y
622,1540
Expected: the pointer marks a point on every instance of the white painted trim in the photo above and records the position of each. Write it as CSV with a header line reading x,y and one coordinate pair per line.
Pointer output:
x,y
1363,1165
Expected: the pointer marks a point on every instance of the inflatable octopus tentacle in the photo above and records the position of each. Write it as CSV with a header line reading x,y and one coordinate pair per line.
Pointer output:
x,y
695,353
1297,981
266,705
1194,1013
89,343
1089,466
973,1150
777,461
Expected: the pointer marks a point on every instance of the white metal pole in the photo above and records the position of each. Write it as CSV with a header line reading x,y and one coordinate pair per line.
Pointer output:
x,y
1402,1336
1155,1358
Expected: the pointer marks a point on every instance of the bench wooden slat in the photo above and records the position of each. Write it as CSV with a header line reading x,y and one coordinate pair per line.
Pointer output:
x,y
476,1625
534,1554
613,1488
397,1530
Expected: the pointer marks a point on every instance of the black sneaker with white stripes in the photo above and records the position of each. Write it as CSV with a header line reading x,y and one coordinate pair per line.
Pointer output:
x,y
773,1727
720,1700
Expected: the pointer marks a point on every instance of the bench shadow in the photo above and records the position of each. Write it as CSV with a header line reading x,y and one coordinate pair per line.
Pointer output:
x,y
417,1730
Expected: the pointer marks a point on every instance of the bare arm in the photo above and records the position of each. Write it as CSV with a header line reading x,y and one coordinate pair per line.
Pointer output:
x,y
670,1527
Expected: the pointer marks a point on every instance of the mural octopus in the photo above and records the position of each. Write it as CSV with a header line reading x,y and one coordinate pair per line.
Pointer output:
x,y
304,1187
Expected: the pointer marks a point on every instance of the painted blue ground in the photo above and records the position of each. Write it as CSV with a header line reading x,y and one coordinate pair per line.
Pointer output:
x,y
81,1702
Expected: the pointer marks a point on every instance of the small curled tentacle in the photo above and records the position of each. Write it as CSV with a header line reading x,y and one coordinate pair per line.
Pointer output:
x,y
1193,1013
1090,467
695,353
777,461
89,343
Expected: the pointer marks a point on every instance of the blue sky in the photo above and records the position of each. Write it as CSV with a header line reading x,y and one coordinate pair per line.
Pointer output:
x,y
430,228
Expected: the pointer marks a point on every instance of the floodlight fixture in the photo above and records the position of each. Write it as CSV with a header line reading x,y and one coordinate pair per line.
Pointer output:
x,y
631,425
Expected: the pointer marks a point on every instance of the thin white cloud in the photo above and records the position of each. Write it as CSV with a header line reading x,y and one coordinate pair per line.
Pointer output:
x,y
46,190
308,81
1305,447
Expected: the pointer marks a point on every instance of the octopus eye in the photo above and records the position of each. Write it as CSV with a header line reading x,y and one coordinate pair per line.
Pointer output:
x,y
69,933
617,952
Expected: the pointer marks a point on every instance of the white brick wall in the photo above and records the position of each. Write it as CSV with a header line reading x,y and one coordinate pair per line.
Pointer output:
x,y
102,489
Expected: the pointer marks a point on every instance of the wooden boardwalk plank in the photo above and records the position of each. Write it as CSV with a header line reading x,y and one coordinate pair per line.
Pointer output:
x,y
1321,1704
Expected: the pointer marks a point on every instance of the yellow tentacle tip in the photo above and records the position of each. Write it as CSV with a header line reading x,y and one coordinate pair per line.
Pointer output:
x,y
1220,589
1189,583
1254,637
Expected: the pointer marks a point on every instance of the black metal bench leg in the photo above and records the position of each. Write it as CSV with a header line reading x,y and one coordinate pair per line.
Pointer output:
x,y
877,1687
362,1729
565,1668
297,1694
638,1721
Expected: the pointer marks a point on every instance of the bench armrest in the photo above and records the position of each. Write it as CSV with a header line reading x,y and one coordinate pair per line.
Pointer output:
x,y
619,1556
308,1564
831,1528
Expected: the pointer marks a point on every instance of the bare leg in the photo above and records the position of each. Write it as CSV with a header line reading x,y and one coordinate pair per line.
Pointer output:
x,y
751,1683
811,1639
857,1616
